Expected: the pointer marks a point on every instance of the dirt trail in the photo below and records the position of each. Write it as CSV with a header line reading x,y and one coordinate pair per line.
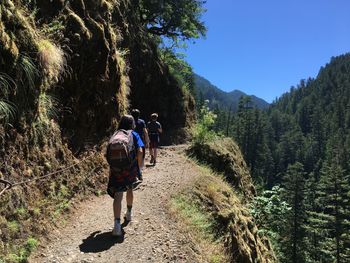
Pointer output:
x,y
152,236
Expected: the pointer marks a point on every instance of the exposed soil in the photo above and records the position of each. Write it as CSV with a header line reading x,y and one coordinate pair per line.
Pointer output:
x,y
152,236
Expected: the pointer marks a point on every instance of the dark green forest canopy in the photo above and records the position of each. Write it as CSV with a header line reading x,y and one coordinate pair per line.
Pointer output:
x,y
175,19
307,128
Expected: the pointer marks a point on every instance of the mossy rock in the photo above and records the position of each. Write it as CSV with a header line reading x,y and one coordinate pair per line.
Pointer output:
x,y
224,156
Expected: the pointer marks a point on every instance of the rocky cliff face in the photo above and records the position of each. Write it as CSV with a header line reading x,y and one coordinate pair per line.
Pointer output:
x,y
95,58
117,65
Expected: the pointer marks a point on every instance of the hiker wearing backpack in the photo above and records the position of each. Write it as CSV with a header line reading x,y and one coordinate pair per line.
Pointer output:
x,y
154,130
124,155
141,129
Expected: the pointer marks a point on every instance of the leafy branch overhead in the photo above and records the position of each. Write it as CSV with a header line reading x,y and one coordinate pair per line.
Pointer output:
x,y
175,19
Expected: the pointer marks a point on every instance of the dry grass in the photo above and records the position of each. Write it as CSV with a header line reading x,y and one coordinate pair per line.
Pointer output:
x,y
52,60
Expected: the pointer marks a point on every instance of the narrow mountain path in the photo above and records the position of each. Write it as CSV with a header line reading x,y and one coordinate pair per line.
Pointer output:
x,y
152,236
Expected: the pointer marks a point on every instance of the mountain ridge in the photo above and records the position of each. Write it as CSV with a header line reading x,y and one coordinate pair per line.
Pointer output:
x,y
205,90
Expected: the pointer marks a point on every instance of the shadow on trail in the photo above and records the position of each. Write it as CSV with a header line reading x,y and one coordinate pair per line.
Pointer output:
x,y
98,242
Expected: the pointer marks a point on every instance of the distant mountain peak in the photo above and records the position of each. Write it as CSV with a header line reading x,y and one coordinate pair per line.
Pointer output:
x,y
217,97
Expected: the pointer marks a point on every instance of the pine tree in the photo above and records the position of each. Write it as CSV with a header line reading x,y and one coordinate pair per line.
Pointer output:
x,y
294,233
333,218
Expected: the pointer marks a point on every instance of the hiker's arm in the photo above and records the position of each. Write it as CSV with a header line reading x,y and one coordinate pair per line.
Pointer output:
x,y
139,156
145,132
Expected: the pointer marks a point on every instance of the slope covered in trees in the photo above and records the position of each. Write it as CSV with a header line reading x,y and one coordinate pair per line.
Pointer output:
x,y
221,99
299,150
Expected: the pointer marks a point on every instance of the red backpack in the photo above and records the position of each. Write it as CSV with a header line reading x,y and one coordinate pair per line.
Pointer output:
x,y
120,151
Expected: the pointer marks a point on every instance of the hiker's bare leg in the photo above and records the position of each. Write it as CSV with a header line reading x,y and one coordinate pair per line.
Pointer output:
x,y
117,205
151,152
129,197
155,154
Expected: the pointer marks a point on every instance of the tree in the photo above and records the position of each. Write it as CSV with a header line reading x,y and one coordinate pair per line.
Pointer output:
x,y
250,130
174,19
293,243
269,210
333,215
179,68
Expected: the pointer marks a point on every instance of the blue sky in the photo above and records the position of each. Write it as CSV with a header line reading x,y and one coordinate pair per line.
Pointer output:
x,y
263,47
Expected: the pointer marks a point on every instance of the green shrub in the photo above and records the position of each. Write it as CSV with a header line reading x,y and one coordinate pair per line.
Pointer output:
x,y
21,213
31,244
269,212
202,131
13,226
24,252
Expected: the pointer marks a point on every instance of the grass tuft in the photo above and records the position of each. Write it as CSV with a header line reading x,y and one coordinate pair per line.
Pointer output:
x,y
52,60
30,71
48,109
200,224
13,226
47,106
7,109
24,252
197,219
7,84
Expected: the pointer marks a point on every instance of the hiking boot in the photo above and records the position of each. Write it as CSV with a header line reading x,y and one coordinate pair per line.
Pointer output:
x,y
152,159
117,230
128,216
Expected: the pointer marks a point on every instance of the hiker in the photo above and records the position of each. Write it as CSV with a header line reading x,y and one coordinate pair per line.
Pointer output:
x,y
142,131
124,155
154,131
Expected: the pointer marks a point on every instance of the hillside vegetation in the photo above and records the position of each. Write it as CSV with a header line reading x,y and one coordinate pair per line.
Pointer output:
x,y
298,152
220,201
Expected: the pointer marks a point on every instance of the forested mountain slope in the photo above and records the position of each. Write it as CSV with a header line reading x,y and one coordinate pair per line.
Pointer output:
x,y
219,98
298,151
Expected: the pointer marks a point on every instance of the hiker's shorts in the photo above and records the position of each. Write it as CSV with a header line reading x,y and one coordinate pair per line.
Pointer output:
x,y
123,181
154,140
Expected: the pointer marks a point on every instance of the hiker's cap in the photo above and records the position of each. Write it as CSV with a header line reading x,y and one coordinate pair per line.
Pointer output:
x,y
154,116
